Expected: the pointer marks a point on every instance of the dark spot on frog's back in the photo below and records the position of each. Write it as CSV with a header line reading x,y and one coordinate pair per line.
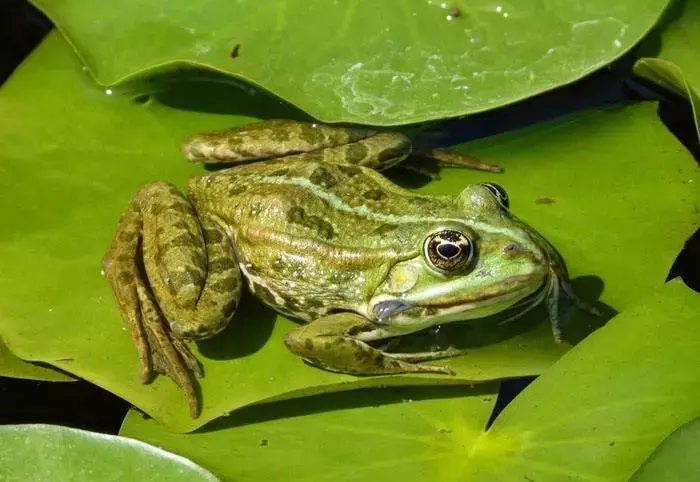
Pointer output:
x,y
323,177
236,189
325,230
350,171
374,194
297,215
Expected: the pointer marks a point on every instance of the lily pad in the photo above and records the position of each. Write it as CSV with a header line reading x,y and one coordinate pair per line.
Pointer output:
x,y
13,367
678,67
50,452
680,37
384,435
596,415
616,183
675,459
392,62
606,405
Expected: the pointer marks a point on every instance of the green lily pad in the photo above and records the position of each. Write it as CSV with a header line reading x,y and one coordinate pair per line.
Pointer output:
x,y
606,405
615,183
50,452
680,37
596,415
382,435
383,63
675,459
678,67
13,367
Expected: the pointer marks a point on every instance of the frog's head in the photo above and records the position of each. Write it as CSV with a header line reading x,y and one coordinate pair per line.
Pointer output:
x,y
480,265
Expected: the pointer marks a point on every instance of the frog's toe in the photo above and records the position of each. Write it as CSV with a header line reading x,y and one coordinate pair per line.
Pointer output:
x,y
190,360
170,355
447,371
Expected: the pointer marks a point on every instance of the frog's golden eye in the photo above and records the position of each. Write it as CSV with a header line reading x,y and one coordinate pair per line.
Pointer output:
x,y
449,251
498,192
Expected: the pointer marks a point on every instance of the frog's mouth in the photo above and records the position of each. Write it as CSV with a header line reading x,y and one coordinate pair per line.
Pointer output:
x,y
405,313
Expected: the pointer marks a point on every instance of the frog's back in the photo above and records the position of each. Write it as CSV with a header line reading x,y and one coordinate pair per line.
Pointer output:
x,y
343,204
315,232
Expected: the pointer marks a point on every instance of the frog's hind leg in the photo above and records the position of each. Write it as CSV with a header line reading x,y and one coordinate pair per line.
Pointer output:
x,y
269,139
175,278
330,342
296,140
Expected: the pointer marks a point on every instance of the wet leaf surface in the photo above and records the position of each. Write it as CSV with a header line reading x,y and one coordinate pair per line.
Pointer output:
x,y
385,63
51,452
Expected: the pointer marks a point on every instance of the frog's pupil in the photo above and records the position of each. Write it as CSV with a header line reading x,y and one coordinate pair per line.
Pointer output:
x,y
448,250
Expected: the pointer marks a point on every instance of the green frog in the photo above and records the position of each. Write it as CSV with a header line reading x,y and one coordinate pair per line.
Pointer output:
x,y
318,234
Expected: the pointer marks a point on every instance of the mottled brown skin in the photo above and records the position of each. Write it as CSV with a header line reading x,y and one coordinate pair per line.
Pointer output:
x,y
319,235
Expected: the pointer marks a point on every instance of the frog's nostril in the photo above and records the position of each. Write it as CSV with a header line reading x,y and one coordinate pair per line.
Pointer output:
x,y
511,248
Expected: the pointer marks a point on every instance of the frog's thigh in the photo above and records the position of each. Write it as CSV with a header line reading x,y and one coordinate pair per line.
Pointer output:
x,y
191,280
190,264
158,351
269,139
379,152
328,342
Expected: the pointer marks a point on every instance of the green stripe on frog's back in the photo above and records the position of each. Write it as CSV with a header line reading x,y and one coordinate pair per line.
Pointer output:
x,y
361,192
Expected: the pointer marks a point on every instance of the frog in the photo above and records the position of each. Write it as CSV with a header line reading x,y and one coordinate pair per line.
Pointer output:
x,y
302,214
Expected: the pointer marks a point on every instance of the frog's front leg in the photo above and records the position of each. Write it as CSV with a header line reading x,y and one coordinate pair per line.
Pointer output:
x,y
331,343
175,278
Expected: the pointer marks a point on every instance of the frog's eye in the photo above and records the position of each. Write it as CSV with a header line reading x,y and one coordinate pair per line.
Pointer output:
x,y
498,192
449,251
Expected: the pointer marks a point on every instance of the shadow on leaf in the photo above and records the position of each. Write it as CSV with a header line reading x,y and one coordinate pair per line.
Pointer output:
x,y
327,402
247,332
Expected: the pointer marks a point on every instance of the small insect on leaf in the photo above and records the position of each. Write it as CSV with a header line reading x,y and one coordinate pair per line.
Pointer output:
x,y
235,52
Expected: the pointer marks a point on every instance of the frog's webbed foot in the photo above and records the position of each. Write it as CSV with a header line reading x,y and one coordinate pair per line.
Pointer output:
x,y
174,279
170,356
330,343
